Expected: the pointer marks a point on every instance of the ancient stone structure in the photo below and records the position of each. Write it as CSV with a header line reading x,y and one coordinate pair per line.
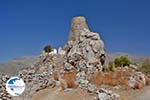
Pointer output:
x,y
77,25
85,49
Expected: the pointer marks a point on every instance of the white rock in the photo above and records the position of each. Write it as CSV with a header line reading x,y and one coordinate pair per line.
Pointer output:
x,y
103,96
61,52
136,77
133,66
68,67
53,52
115,96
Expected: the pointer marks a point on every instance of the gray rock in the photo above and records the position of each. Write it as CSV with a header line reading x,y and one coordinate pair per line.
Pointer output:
x,y
133,67
91,88
135,79
68,67
115,96
103,96
61,51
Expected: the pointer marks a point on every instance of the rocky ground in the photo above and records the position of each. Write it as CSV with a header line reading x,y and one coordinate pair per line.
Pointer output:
x,y
55,94
75,72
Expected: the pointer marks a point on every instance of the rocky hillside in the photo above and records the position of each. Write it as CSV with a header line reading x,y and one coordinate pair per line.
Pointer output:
x,y
12,67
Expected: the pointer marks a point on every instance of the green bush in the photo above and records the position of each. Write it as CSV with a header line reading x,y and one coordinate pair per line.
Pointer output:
x,y
48,48
105,69
122,61
111,66
146,67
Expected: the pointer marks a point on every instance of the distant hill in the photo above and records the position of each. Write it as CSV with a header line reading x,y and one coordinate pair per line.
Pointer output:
x,y
138,59
12,67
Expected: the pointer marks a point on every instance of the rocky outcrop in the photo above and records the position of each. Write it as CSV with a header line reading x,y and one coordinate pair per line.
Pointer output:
x,y
137,80
85,52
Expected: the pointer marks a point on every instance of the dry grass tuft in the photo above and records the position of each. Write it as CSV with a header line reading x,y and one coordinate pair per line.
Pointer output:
x,y
56,76
147,81
69,78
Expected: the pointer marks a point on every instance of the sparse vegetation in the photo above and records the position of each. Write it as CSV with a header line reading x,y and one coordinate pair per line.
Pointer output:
x,y
118,77
105,69
146,67
56,76
111,66
70,78
118,62
122,61
48,48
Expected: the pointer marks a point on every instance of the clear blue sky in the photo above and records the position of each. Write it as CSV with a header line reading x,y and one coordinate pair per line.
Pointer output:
x,y
26,26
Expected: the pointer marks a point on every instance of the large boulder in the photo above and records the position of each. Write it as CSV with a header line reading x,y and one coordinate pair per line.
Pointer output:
x,y
137,80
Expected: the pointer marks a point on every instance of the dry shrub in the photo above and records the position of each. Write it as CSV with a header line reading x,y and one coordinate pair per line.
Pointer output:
x,y
63,84
70,78
96,78
107,78
147,81
99,78
146,67
119,77
56,76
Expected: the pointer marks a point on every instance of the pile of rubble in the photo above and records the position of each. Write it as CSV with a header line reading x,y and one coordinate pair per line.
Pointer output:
x,y
85,51
34,82
4,95
137,80
42,80
104,94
